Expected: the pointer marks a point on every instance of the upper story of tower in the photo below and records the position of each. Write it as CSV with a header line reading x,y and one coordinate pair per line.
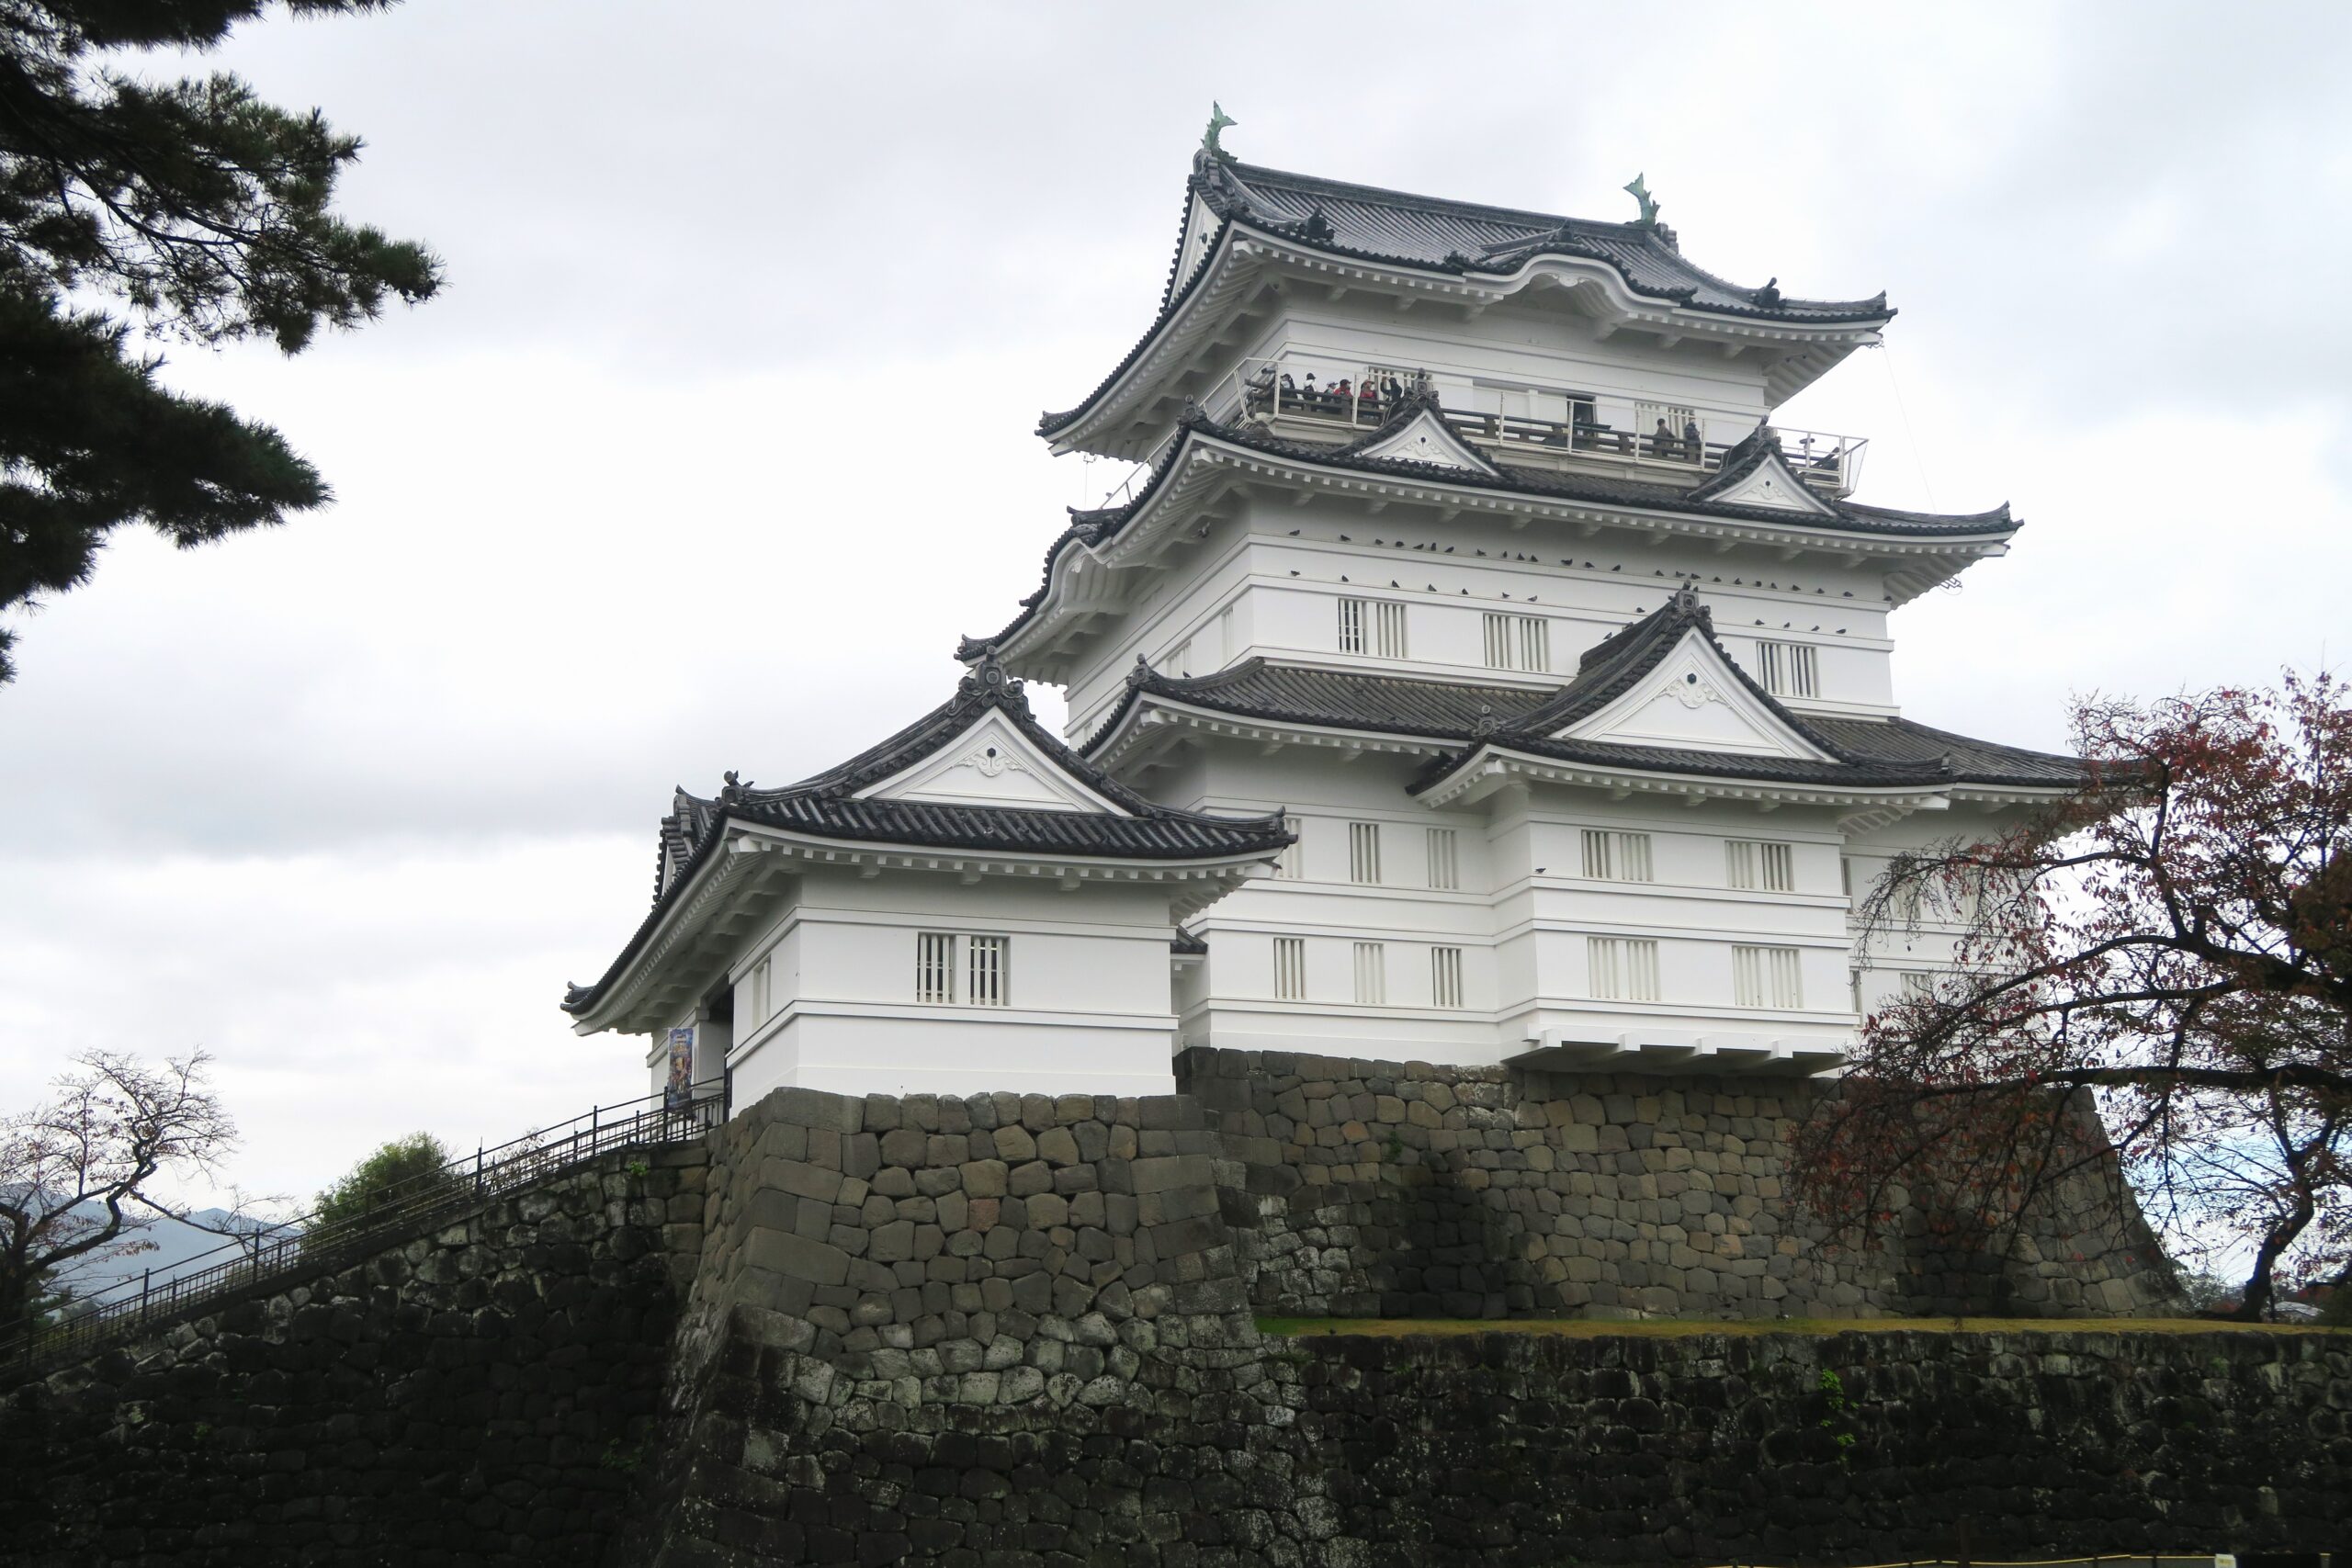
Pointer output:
x,y
1562,343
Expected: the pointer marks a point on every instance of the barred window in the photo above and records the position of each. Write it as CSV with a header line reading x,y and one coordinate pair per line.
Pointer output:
x,y
1756,864
935,967
980,980
1518,642
984,971
1445,977
1289,968
1372,973
1364,852
1290,864
1371,626
1790,668
1616,857
1766,977
1445,859
1621,969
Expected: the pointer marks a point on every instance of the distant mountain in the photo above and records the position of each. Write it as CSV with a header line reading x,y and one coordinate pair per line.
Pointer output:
x,y
177,1245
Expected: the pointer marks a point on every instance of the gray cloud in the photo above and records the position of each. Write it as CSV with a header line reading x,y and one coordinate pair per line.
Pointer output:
x,y
720,436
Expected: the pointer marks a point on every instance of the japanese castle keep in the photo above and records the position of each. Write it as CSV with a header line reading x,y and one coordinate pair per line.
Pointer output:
x,y
1474,672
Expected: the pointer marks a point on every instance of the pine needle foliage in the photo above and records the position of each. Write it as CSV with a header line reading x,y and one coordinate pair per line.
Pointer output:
x,y
134,213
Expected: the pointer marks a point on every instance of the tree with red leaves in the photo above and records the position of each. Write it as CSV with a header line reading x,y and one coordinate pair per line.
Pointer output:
x,y
2170,948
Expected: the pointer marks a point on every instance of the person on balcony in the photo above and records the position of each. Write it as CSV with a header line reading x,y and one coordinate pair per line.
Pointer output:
x,y
1391,390
1693,448
1662,439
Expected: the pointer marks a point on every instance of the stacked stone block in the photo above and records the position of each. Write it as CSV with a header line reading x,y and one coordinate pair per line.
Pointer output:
x,y
996,1330
1376,1189
483,1393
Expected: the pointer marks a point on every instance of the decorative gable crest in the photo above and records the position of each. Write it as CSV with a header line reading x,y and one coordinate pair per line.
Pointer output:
x,y
1424,436
1756,473
1693,700
991,763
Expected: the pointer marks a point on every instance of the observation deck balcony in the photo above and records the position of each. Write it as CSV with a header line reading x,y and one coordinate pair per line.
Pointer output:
x,y
1661,443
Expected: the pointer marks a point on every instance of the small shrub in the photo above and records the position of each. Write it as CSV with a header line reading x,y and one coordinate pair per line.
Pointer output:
x,y
403,1174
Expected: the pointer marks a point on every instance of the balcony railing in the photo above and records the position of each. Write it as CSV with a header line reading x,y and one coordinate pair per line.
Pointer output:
x,y
1272,389
310,1247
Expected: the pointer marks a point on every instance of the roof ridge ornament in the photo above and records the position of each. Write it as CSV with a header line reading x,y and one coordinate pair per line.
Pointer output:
x,y
732,788
1638,188
1686,604
988,682
1210,142
1767,297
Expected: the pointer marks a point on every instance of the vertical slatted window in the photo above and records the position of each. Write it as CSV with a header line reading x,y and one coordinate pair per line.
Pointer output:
x,y
1289,968
1788,669
763,989
1518,642
1290,864
1759,865
984,966
1915,983
1179,658
1364,853
935,967
1616,857
1375,626
1224,648
1766,977
1445,977
1445,859
1352,617
1621,969
1372,974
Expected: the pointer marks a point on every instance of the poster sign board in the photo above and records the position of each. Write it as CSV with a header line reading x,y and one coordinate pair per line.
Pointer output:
x,y
679,1092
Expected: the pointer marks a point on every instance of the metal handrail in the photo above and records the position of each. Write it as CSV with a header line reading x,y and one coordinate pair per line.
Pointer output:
x,y
1823,458
303,1246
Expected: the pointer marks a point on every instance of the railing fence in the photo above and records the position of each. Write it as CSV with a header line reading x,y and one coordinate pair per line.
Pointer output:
x,y
308,1246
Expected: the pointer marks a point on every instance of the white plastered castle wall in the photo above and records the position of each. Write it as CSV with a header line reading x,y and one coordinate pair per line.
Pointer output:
x,y
1086,1008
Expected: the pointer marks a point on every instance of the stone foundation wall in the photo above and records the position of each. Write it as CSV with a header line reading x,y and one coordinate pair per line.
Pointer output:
x,y
1002,1330
1855,1448
1016,1332
485,1394
1373,1189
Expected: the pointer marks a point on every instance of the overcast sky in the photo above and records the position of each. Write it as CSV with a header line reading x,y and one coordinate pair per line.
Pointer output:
x,y
720,435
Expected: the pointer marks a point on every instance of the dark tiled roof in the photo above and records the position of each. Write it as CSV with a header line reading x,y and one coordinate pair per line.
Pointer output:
x,y
1862,752
1092,527
1338,699
1859,752
1618,663
1467,237
826,807
1459,237
1188,944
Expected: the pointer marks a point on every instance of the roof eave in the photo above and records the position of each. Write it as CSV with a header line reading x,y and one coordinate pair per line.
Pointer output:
x,y
1089,425
618,1001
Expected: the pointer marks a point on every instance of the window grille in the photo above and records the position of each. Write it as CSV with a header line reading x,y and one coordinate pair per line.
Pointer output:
x,y
1289,968
1372,974
1375,626
1761,867
1179,657
761,989
1518,642
1364,853
1290,864
984,971
1916,983
1445,977
1766,977
1790,668
1445,859
1226,650
1616,857
1621,969
935,967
